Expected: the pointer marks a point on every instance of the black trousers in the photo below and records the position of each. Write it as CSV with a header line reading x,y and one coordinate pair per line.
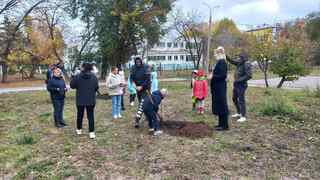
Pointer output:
x,y
58,105
223,121
239,99
122,102
90,114
132,97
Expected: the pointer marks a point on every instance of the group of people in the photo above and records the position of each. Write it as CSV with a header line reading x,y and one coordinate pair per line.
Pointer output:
x,y
218,84
86,85
219,87
142,83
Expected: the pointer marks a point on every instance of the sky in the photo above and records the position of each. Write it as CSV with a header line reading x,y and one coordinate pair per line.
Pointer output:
x,y
251,12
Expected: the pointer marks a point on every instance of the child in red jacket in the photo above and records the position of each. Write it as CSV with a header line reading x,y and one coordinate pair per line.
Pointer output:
x,y
200,91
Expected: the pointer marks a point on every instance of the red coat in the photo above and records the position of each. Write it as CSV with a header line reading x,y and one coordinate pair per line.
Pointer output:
x,y
200,89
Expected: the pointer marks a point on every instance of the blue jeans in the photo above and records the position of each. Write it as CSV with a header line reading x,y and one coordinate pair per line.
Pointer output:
x,y
58,105
153,120
116,105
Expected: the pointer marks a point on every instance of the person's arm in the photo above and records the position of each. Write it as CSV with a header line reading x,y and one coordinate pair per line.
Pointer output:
x,y
236,63
111,84
97,85
73,82
247,75
147,82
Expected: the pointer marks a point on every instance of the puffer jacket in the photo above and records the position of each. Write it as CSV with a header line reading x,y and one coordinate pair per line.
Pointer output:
x,y
113,84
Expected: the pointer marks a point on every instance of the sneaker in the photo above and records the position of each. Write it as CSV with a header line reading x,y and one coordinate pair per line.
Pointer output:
x,y
132,104
136,125
115,117
151,130
119,116
92,135
236,115
157,133
78,131
242,119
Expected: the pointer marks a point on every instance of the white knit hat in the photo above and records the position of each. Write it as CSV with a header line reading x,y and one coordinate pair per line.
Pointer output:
x,y
164,92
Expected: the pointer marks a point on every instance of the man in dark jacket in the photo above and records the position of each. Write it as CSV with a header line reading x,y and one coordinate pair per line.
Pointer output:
x,y
219,90
57,88
150,109
241,76
86,85
140,79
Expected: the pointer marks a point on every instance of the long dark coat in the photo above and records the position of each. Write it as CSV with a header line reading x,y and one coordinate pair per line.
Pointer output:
x,y
219,89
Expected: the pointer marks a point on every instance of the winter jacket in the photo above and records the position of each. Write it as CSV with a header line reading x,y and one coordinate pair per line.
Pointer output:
x,y
243,72
152,102
131,89
86,85
57,88
154,81
113,84
219,88
140,75
200,88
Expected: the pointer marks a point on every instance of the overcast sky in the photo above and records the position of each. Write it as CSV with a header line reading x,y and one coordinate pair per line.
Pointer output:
x,y
252,12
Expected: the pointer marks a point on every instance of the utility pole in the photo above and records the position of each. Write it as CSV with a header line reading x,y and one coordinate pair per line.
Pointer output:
x,y
206,61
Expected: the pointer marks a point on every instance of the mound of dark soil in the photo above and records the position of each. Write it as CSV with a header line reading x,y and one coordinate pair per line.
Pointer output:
x,y
186,129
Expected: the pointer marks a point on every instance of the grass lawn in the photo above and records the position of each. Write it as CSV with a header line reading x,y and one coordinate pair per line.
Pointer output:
x,y
280,139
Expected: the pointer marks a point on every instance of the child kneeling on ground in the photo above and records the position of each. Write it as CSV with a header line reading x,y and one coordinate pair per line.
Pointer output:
x,y
150,108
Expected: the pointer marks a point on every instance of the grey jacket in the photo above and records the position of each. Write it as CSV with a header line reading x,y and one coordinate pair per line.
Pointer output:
x,y
113,84
243,71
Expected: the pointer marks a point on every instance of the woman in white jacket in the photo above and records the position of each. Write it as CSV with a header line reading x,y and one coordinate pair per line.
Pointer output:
x,y
115,86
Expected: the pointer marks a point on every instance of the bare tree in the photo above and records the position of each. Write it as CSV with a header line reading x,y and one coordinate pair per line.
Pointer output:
x,y
189,30
7,6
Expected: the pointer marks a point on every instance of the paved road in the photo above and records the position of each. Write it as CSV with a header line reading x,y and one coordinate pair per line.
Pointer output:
x,y
43,88
310,82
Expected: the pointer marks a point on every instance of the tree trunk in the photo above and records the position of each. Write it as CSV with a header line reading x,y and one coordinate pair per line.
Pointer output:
x,y
33,71
4,73
283,79
266,78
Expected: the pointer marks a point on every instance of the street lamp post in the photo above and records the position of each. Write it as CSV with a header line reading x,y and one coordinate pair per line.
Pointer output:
x,y
207,60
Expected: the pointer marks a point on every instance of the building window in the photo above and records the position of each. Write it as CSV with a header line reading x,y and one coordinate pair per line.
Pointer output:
x,y
169,44
175,45
182,45
169,58
176,58
182,57
189,58
161,44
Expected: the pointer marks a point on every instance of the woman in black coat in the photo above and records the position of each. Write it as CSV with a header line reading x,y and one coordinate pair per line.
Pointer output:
x,y
86,85
57,88
219,90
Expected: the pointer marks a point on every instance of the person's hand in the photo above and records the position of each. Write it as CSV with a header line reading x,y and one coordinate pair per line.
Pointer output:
x,y
139,88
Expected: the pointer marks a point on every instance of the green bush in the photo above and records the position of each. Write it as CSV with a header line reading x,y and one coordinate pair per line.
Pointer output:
x,y
25,139
276,105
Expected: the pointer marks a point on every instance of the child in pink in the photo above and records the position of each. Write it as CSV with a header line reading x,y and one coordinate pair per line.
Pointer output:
x,y
200,91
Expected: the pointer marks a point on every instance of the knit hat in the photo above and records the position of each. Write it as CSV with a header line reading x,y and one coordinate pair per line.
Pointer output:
x,y
200,73
164,92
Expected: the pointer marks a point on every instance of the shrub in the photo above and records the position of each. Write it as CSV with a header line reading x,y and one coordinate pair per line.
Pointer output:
x,y
276,105
25,139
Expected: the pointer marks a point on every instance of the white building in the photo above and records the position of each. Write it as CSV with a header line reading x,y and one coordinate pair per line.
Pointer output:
x,y
169,54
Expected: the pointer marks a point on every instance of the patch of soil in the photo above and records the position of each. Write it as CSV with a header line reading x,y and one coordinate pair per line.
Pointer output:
x,y
186,129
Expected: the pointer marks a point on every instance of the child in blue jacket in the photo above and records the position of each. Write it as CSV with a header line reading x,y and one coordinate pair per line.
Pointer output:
x,y
150,108
132,92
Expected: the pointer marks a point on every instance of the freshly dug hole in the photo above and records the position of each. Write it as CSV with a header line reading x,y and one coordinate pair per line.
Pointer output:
x,y
186,129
